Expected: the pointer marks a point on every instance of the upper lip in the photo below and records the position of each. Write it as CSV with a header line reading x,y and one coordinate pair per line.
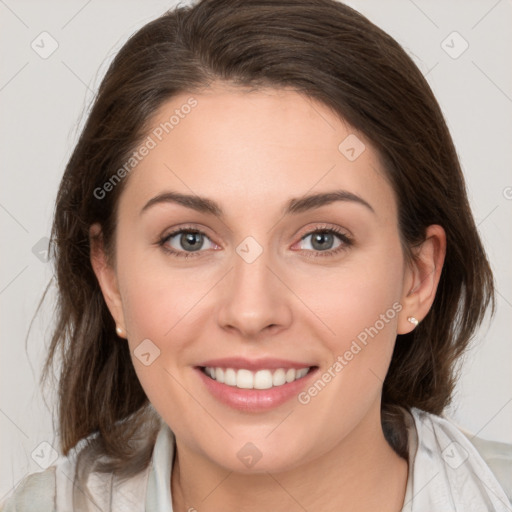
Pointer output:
x,y
253,364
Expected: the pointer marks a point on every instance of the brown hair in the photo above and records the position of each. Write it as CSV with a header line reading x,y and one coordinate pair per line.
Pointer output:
x,y
331,53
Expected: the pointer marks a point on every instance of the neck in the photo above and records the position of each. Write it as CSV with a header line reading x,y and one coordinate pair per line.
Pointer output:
x,y
361,473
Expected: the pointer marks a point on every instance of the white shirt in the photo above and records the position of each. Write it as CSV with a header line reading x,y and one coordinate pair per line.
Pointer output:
x,y
449,471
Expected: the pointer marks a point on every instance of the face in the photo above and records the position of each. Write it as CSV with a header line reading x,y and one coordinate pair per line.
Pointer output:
x,y
317,284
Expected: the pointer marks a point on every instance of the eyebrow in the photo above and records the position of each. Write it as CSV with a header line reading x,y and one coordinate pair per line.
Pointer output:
x,y
293,206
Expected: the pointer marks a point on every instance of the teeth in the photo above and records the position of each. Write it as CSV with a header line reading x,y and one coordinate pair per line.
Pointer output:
x,y
262,379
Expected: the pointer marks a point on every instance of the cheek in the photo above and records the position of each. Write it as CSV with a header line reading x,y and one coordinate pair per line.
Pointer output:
x,y
156,296
362,292
161,306
158,308
358,304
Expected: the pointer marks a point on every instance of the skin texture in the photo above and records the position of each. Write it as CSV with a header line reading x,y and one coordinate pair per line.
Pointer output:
x,y
251,152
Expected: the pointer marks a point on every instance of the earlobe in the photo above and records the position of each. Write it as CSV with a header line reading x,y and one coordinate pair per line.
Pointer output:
x,y
106,276
422,279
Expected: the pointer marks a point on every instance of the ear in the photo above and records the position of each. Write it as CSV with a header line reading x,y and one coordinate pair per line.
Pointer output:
x,y
422,278
106,275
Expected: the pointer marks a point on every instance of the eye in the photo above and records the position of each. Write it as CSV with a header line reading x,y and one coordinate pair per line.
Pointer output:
x,y
184,242
323,239
188,242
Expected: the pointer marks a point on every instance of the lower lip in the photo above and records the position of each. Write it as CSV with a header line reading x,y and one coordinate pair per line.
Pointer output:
x,y
255,400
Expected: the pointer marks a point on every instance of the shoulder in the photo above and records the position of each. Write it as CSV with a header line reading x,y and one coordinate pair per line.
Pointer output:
x,y
35,493
498,456
53,490
489,457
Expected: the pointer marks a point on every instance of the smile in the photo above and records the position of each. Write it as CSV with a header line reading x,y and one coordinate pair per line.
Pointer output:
x,y
261,379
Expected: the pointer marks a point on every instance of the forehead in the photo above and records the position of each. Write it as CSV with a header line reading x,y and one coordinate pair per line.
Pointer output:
x,y
254,149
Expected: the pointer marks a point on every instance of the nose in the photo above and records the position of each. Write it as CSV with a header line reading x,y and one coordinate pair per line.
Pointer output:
x,y
255,298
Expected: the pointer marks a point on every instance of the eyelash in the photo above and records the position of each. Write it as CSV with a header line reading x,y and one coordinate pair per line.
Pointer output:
x,y
345,239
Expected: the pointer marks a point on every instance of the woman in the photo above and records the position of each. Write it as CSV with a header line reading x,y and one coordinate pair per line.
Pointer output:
x,y
214,355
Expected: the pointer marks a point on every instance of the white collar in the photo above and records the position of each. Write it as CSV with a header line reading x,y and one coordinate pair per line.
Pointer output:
x,y
446,472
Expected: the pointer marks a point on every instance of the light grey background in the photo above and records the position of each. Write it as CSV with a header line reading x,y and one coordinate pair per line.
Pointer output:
x,y
44,103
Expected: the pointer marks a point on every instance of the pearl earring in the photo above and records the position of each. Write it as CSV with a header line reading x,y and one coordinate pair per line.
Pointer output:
x,y
413,320
119,331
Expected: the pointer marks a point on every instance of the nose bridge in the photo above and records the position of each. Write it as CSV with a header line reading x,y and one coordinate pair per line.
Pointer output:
x,y
254,297
251,267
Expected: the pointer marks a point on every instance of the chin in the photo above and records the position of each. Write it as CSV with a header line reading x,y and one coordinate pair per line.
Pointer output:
x,y
253,457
